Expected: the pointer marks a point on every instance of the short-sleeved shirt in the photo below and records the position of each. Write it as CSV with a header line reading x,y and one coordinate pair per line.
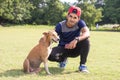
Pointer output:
x,y
67,34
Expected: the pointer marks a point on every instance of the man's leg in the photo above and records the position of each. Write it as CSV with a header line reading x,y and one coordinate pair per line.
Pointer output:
x,y
60,54
85,46
57,54
84,50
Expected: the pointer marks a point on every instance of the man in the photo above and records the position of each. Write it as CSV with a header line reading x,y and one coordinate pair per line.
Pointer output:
x,y
74,42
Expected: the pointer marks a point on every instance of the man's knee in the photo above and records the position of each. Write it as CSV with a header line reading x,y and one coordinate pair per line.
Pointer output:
x,y
55,57
84,43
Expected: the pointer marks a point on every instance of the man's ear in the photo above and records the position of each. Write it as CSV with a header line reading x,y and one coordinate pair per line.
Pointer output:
x,y
79,18
45,33
67,16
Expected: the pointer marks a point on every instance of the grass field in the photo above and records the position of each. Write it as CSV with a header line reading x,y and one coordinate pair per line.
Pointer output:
x,y
16,42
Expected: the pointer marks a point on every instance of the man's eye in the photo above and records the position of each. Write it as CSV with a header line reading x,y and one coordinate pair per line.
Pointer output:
x,y
70,16
75,17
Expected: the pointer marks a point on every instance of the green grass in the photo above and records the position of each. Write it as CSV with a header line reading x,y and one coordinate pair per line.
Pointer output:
x,y
16,42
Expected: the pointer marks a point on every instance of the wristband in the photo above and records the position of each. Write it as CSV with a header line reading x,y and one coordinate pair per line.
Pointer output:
x,y
77,38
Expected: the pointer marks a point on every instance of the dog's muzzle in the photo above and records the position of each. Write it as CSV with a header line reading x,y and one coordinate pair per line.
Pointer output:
x,y
56,40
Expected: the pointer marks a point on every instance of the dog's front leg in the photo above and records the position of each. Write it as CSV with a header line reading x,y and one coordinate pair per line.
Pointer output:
x,y
46,67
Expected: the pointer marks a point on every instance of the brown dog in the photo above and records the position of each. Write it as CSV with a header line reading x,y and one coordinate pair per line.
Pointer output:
x,y
40,53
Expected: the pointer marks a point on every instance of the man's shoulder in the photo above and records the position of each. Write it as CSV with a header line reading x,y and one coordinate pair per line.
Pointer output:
x,y
81,23
62,22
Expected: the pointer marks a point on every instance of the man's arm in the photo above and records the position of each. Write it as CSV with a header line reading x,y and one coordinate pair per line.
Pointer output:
x,y
85,33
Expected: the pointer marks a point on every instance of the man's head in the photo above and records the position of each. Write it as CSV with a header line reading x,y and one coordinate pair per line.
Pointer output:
x,y
73,16
75,10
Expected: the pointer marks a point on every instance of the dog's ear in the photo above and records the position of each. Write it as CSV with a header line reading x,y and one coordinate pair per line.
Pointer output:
x,y
45,33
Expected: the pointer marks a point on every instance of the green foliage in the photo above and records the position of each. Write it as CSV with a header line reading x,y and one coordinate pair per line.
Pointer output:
x,y
32,11
54,12
90,14
66,7
15,10
6,9
112,11
38,12
47,12
44,11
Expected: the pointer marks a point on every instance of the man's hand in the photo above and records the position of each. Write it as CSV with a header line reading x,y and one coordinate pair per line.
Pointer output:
x,y
71,45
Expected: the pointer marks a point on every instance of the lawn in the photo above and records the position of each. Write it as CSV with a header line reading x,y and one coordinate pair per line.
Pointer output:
x,y
16,42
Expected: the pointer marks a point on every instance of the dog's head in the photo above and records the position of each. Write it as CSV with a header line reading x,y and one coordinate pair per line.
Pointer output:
x,y
51,36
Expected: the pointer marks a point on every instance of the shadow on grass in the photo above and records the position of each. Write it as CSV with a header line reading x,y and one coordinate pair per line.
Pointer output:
x,y
19,72
12,73
55,70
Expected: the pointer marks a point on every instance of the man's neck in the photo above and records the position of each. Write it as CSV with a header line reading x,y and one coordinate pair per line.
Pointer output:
x,y
68,25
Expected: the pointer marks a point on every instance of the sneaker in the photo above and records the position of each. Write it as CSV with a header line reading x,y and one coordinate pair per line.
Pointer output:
x,y
83,68
63,64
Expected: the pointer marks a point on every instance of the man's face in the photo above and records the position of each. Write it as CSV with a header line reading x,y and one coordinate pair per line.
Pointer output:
x,y
72,19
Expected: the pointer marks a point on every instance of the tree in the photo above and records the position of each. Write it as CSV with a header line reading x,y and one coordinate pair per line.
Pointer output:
x,y
99,3
90,14
112,11
47,11
54,11
6,10
15,10
38,12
